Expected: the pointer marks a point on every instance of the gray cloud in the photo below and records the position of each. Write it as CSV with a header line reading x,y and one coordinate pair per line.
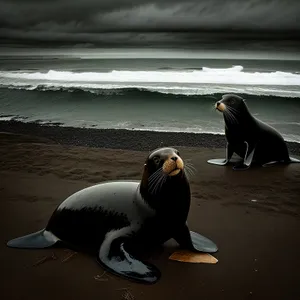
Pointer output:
x,y
93,21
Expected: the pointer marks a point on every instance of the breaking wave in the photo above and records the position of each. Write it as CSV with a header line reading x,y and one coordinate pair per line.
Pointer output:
x,y
178,82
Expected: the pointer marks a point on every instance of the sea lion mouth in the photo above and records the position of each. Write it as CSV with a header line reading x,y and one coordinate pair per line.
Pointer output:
x,y
175,172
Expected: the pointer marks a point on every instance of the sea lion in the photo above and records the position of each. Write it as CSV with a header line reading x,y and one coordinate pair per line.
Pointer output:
x,y
116,219
249,137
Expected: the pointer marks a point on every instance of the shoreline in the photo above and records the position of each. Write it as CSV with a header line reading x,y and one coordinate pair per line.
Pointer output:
x,y
125,139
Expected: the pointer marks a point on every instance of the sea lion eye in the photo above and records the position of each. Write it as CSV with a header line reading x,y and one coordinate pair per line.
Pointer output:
x,y
177,152
156,160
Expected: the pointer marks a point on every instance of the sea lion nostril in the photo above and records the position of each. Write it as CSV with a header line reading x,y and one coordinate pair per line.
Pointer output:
x,y
174,158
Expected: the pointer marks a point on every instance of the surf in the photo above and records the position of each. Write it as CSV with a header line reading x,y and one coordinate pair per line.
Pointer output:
x,y
233,75
177,82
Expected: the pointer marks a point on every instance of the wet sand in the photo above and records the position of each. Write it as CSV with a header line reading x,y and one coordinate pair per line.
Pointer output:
x,y
253,216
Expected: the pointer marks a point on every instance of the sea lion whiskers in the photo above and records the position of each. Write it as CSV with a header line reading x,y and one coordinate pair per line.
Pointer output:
x,y
157,183
234,112
155,175
213,107
189,173
230,116
232,109
191,170
189,162
160,182
155,180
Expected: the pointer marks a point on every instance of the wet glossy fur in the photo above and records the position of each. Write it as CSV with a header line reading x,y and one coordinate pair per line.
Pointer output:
x,y
119,220
250,138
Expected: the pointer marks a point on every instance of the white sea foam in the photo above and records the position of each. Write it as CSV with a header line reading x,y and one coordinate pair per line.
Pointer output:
x,y
234,75
201,89
177,82
6,118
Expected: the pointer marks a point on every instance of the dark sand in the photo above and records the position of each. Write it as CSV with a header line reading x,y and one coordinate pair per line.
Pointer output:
x,y
258,240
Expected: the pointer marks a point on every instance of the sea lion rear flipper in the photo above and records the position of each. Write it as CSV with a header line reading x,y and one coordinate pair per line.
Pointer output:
x,y
115,258
37,240
218,161
223,161
271,163
294,160
194,241
247,160
289,160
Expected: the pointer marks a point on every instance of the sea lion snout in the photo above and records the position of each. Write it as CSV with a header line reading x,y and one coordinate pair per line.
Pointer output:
x,y
173,165
220,106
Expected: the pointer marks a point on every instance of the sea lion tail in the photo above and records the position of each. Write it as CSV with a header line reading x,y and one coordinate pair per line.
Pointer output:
x,y
36,240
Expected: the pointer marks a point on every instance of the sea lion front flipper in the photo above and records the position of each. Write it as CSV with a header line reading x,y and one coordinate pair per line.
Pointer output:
x,y
37,240
223,161
194,241
202,243
247,159
113,256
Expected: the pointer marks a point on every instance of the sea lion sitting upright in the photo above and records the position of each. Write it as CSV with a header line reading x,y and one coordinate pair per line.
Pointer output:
x,y
249,137
116,219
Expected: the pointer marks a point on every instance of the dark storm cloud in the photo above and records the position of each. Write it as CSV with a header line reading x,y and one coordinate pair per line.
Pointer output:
x,y
91,21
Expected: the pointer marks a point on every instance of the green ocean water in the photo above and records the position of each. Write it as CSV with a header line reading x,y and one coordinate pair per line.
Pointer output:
x,y
151,91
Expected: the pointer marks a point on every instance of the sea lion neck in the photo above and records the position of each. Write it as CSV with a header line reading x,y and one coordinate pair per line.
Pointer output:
x,y
242,119
172,197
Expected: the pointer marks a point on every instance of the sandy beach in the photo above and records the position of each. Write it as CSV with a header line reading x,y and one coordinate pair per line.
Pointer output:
x,y
253,216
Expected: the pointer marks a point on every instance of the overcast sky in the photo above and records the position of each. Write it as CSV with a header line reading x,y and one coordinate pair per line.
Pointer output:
x,y
92,22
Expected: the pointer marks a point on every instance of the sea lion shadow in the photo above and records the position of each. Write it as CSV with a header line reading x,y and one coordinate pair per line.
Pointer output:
x,y
256,167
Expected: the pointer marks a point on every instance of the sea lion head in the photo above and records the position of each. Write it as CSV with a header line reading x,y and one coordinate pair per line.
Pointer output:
x,y
164,181
230,101
163,167
233,108
167,160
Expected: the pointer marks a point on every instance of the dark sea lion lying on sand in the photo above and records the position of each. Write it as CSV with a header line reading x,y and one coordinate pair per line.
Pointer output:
x,y
115,219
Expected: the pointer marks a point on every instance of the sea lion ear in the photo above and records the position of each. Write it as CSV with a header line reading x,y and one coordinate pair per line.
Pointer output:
x,y
145,169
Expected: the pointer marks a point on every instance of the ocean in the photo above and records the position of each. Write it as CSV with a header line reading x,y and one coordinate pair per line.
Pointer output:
x,y
152,89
